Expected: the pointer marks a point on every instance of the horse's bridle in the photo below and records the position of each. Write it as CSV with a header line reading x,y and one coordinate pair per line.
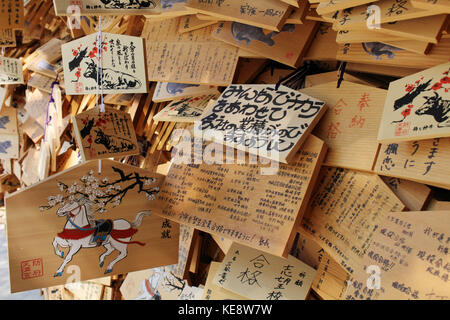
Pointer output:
x,y
67,213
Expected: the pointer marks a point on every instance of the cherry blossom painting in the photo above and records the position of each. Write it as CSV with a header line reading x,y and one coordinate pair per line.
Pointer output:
x,y
418,106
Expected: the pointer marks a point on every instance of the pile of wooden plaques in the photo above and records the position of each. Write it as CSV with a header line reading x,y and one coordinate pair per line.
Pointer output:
x,y
254,150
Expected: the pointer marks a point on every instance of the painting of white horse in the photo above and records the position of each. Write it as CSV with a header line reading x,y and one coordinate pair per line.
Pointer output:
x,y
80,228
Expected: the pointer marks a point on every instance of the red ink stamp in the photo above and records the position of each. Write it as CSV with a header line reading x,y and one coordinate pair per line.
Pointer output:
x,y
32,268
401,129
76,3
78,87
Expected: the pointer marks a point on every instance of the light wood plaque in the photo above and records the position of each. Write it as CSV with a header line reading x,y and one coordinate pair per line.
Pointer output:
x,y
423,161
345,211
260,276
105,134
49,225
350,125
215,198
416,106
409,254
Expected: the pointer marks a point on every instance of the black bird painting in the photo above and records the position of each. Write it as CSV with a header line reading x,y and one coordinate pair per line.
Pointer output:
x,y
76,61
87,129
410,96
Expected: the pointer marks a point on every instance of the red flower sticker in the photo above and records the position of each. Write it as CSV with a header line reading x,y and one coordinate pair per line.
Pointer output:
x,y
406,112
445,80
409,87
436,86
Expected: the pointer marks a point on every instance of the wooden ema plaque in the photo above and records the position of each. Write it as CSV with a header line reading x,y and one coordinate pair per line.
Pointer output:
x,y
40,82
121,69
157,284
323,46
106,7
258,275
359,36
185,251
36,107
50,51
10,71
134,285
287,46
215,292
188,109
85,290
213,198
407,259
331,76
56,293
167,91
419,47
173,53
11,14
415,107
267,14
414,195
7,38
427,29
423,161
105,134
307,250
351,123
331,278
262,119
390,11
9,137
382,54
441,6
51,225
191,23
345,211
332,6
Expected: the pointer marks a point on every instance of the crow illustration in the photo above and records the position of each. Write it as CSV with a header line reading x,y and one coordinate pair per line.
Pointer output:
x,y
76,62
87,129
410,96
